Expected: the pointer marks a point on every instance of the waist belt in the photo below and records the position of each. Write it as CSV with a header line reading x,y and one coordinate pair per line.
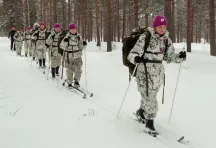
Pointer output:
x,y
54,46
73,51
152,61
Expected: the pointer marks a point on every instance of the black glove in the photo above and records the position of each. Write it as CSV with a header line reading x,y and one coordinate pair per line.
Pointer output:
x,y
53,36
36,34
138,59
182,55
66,39
47,45
84,43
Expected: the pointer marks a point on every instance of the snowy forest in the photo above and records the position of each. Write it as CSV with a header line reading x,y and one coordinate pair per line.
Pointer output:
x,y
112,20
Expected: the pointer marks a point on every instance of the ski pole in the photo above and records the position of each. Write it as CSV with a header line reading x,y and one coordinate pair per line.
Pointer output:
x,y
126,91
85,70
175,93
176,88
62,64
49,62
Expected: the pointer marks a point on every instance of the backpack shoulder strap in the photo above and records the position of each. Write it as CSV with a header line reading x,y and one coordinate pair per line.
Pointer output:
x,y
166,46
147,41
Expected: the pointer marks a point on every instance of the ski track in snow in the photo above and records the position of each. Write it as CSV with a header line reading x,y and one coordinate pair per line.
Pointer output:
x,y
36,113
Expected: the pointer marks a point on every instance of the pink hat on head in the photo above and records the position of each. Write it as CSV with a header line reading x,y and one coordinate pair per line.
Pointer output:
x,y
28,28
159,20
72,26
42,24
57,25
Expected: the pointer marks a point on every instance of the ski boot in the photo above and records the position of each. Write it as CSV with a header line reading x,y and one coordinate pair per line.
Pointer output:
x,y
70,85
150,128
53,73
57,71
140,116
76,84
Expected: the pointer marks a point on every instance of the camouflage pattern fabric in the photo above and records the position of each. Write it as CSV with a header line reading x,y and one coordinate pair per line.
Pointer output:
x,y
74,68
40,43
18,37
72,56
155,71
27,44
54,56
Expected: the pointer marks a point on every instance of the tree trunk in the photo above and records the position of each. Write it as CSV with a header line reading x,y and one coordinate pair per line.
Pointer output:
x,y
173,22
69,11
167,13
118,22
63,14
124,19
178,32
109,29
50,14
28,13
41,10
136,12
189,25
91,21
97,23
105,21
212,27
55,11
23,14
44,11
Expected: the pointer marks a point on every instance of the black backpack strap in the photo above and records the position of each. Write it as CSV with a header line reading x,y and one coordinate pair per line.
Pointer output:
x,y
166,46
147,41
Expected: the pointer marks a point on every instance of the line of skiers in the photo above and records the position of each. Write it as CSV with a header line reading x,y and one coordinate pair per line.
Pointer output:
x,y
143,53
64,47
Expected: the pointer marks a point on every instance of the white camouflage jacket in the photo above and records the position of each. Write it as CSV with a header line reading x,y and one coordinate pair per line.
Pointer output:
x,y
73,46
155,51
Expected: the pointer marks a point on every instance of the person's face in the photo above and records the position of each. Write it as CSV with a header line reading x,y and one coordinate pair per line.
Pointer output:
x,y
160,29
42,27
13,28
73,31
57,29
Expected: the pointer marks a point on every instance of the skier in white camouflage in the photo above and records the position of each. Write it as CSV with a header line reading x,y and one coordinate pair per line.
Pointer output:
x,y
54,55
35,27
150,70
18,38
27,43
72,46
40,37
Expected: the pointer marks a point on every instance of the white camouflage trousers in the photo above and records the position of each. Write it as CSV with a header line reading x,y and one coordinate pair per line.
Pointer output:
x,y
27,46
74,67
149,103
18,47
41,53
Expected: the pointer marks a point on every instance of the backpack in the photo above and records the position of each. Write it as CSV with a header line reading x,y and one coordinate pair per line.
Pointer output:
x,y
128,44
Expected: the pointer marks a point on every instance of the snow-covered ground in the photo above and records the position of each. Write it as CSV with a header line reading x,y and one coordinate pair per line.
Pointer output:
x,y
35,113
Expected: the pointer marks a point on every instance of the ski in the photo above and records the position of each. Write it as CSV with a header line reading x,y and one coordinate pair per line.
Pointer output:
x,y
77,89
42,69
162,136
